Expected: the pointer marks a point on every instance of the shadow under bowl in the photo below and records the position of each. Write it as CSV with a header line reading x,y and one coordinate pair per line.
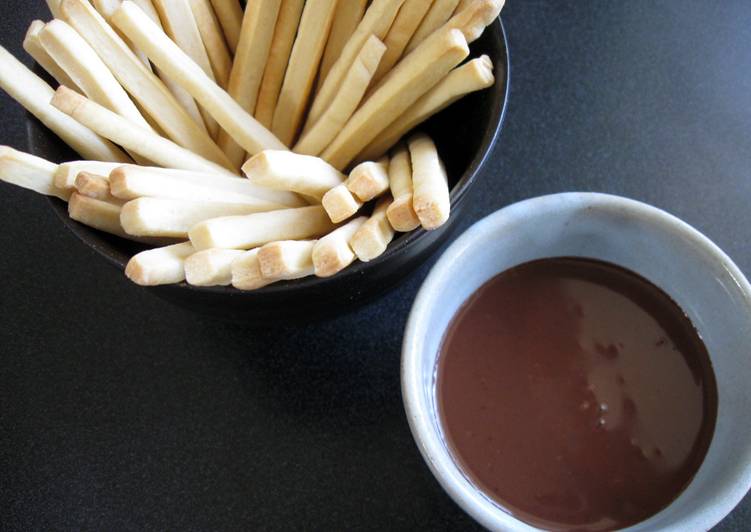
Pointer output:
x,y
465,134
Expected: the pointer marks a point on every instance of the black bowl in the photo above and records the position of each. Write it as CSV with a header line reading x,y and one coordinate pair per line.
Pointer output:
x,y
465,134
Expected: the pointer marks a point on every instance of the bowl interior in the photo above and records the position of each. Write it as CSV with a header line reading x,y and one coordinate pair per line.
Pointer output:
x,y
650,242
465,133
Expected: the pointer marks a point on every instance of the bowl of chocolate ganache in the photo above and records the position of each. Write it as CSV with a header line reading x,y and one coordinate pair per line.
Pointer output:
x,y
580,361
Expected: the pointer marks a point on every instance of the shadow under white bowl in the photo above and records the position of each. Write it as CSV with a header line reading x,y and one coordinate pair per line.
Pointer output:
x,y
702,279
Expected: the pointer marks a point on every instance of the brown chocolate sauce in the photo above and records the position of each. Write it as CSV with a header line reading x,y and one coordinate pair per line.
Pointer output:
x,y
576,394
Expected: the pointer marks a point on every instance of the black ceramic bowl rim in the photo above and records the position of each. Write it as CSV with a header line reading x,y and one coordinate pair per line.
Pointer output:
x,y
458,194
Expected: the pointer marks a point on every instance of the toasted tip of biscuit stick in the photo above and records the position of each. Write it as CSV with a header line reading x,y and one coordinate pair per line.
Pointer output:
x,y
285,170
230,15
401,214
94,186
472,76
332,253
163,217
253,230
369,179
29,172
287,259
340,203
211,267
374,236
246,272
34,48
66,173
431,198
159,266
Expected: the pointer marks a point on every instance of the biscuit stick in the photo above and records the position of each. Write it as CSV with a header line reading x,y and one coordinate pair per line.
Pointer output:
x,y
141,83
106,8
430,199
374,236
213,40
65,176
159,266
285,170
281,46
130,136
34,95
304,61
400,213
246,272
95,186
243,128
180,24
256,35
332,253
96,213
439,13
288,259
165,217
404,27
369,179
29,172
340,203
237,185
54,7
472,76
34,48
252,230
348,15
376,21
350,94
412,77
230,15
211,267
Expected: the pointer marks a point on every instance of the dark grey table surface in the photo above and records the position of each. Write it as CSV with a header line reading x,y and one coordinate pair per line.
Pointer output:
x,y
121,412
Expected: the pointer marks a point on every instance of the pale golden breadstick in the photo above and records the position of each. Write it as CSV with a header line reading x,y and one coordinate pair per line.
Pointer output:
x,y
430,199
350,94
285,170
472,19
95,186
180,24
472,76
243,128
106,8
404,27
140,82
401,213
34,95
54,7
34,48
236,185
304,61
276,66
246,232
213,40
332,253
163,217
256,35
185,100
412,77
287,259
130,136
230,15
159,266
374,236
348,15
128,186
211,267
340,203
30,172
369,179
96,213
376,21
439,13
65,176
246,272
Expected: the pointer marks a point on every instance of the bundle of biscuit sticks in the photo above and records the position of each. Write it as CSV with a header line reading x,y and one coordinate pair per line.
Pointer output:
x,y
220,135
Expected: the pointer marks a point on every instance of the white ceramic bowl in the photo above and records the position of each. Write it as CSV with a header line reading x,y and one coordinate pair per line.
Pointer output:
x,y
660,247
